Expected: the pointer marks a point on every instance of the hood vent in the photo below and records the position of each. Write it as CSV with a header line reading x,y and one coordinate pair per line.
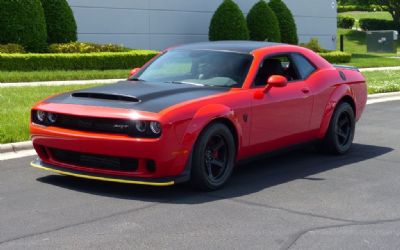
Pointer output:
x,y
112,97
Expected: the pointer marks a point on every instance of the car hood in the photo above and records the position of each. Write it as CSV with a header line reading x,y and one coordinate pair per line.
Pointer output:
x,y
138,95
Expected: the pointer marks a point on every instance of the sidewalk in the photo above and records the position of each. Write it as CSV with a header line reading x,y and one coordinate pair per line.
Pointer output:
x,y
379,69
58,83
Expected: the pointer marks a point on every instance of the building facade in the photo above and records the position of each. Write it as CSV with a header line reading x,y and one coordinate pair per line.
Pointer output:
x,y
158,24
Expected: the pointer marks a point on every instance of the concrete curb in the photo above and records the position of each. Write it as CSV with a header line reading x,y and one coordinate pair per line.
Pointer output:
x,y
27,145
15,147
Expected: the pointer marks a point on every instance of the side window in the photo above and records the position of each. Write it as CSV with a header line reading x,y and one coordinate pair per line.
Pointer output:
x,y
304,67
277,65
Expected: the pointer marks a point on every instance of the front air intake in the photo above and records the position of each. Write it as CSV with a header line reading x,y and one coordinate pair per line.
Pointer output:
x,y
112,97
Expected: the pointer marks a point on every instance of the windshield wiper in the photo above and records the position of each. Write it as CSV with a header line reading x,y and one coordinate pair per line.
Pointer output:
x,y
191,83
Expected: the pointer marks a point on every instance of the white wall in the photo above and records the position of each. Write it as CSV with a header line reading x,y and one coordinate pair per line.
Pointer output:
x,y
157,24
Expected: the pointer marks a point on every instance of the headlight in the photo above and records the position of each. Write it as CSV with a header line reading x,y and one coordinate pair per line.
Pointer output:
x,y
40,115
52,117
155,127
141,126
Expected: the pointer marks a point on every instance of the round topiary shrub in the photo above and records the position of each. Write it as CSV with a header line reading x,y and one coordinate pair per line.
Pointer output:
x,y
263,24
287,24
61,25
22,22
228,23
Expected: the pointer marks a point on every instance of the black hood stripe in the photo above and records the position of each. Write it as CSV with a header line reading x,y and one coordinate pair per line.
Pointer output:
x,y
152,97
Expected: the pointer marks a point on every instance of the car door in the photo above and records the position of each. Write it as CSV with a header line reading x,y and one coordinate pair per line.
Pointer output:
x,y
281,116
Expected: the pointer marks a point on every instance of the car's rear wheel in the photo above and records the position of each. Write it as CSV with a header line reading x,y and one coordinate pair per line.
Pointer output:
x,y
340,134
213,157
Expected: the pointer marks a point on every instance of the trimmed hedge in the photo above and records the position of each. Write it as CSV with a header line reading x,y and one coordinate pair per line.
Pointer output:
x,y
61,25
263,24
228,23
371,7
85,47
345,22
91,61
11,48
336,56
287,24
22,22
376,24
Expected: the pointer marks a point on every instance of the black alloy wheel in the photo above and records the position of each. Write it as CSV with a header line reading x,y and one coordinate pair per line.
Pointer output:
x,y
213,157
340,134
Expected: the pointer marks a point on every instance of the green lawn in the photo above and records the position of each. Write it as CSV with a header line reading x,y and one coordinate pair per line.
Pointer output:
x,y
18,76
16,102
383,81
364,14
15,108
354,42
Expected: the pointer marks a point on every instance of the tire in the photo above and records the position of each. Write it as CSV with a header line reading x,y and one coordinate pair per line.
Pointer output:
x,y
213,158
340,134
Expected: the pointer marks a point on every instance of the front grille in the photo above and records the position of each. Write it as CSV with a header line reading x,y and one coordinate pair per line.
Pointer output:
x,y
102,162
115,126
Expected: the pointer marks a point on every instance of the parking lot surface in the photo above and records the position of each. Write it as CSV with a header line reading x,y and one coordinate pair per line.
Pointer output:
x,y
298,200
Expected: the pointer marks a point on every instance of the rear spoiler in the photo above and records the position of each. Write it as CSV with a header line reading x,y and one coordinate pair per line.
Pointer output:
x,y
346,67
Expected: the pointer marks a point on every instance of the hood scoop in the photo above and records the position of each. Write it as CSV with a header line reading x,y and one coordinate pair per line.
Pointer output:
x,y
104,96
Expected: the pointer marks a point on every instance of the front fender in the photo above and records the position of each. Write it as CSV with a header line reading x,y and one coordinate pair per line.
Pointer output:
x,y
339,92
201,119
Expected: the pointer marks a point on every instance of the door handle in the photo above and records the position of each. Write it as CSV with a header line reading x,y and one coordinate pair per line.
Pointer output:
x,y
305,90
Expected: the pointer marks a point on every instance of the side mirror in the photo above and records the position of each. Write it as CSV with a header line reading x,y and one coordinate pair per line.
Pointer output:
x,y
275,81
133,71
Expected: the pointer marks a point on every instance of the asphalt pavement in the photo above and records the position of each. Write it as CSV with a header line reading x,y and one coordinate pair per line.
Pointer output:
x,y
298,200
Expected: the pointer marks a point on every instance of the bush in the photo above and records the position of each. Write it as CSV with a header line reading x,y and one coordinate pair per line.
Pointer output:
x,y
287,24
228,23
371,7
263,24
11,48
92,61
313,45
376,24
336,56
81,47
61,25
345,22
22,22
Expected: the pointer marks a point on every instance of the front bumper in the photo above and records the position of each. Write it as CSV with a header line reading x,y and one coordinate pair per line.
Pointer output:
x,y
110,178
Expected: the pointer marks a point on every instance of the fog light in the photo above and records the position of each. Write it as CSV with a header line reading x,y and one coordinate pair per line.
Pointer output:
x,y
40,115
141,126
52,117
155,127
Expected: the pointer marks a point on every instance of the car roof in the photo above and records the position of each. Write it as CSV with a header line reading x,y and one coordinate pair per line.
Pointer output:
x,y
246,47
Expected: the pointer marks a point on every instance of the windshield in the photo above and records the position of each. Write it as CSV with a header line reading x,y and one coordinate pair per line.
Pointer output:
x,y
198,67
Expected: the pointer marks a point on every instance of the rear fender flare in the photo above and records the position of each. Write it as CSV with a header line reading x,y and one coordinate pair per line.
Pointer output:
x,y
337,95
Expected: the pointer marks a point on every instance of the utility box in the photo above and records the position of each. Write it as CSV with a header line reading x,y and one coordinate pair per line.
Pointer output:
x,y
382,41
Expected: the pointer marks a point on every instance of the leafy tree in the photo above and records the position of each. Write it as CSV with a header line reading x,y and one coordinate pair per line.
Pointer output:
x,y
287,24
228,23
263,23
22,22
61,25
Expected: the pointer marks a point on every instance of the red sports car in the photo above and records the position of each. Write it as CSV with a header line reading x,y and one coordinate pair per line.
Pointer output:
x,y
195,110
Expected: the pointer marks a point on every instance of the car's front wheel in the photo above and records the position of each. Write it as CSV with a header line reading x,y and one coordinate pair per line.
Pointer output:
x,y
340,134
213,157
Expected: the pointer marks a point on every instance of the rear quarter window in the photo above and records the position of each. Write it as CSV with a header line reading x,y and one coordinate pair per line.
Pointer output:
x,y
304,67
